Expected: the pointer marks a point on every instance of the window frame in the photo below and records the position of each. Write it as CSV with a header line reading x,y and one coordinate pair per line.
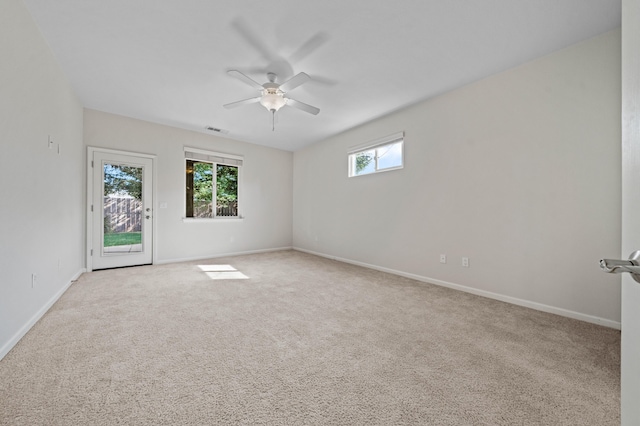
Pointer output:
x,y
374,145
215,159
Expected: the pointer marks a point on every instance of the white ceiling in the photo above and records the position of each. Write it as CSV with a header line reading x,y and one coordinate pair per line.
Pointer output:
x,y
165,61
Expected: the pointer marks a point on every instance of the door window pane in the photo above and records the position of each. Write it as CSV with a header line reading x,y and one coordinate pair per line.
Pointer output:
x,y
122,209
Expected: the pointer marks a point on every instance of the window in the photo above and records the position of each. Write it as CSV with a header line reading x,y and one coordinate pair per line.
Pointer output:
x,y
209,173
377,156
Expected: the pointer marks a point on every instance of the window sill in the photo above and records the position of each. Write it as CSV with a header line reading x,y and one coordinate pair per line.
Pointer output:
x,y
375,172
211,219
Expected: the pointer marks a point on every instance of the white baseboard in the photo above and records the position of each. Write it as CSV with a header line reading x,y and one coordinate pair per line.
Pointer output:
x,y
213,256
513,300
4,350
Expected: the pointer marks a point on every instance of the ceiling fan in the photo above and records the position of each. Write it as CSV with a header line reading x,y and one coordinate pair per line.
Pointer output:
x,y
272,94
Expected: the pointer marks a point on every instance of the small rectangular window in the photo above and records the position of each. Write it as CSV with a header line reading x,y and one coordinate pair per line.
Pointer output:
x,y
212,181
378,156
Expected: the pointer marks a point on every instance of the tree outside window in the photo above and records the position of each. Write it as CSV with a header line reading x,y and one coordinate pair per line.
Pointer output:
x,y
201,181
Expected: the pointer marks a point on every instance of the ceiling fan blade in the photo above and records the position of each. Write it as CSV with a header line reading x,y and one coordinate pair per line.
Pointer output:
x,y
242,102
301,105
251,82
322,80
253,39
294,82
309,46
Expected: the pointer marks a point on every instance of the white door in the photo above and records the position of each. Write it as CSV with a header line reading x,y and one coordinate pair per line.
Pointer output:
x,y
630,209
121,210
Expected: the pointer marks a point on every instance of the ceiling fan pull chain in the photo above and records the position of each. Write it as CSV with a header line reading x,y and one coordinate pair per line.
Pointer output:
x,y
273,120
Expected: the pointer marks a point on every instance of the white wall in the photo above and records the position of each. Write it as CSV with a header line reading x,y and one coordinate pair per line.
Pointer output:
x,y
41,191
266,188
520,172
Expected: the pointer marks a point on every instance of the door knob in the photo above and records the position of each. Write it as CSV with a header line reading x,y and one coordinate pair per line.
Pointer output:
x,y
148,209
632,266
147,217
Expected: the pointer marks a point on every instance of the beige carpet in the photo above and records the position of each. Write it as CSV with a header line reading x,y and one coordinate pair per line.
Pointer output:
x,y
303,340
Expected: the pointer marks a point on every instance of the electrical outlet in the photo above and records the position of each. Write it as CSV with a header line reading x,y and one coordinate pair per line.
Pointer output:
x,y
465,262
443,258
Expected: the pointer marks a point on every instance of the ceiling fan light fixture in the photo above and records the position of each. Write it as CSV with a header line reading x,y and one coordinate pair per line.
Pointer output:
x,y
272,99
272,94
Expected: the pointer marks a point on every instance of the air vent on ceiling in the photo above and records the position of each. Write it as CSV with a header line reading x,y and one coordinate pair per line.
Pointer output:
x,y
215,129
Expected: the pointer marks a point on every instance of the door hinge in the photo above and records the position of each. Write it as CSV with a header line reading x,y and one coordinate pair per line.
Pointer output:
x,y
91,252
92,164
91,207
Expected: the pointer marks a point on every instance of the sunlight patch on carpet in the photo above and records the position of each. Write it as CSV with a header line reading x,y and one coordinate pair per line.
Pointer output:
x,y
222,272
